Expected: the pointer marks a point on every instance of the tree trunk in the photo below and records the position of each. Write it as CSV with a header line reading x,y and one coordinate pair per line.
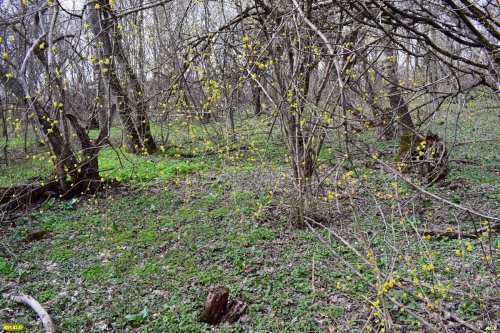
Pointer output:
x,y
257,92
143,126
397,110
108,69
64,161
231,133
4,123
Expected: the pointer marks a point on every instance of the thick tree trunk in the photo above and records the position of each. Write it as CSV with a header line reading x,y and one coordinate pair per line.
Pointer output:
x,y
143,126
73,177
397,109
64,161
108,69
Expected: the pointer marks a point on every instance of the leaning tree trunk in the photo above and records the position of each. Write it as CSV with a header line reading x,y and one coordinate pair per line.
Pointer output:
x,y
64,160
397,102
73,177
100,28
143,125
394,108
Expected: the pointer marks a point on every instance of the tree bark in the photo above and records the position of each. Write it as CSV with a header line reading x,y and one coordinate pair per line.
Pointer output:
x,y
397,102
109,71
143,126
4,123
64,161
234,311
215,306
257,92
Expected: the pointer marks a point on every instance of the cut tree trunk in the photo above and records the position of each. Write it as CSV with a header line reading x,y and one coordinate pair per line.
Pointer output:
x,y
217,309
234,311
215,306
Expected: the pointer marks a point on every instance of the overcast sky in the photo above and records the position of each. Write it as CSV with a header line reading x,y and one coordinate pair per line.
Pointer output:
x,y
72,4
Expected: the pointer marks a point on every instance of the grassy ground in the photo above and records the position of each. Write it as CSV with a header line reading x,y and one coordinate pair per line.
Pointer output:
x,y
142,257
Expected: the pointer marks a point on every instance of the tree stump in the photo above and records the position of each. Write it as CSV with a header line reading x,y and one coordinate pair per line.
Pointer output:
x,y
234,311
435,158
215,306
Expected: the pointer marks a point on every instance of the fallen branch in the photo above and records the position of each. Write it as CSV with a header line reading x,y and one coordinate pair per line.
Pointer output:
x,y
38,308
431,327
476,141
420,189
447,233
16,197
473,165
9,251
495,227
25,194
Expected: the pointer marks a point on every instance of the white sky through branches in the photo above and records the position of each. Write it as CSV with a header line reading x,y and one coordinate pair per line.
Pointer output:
x,y
72,4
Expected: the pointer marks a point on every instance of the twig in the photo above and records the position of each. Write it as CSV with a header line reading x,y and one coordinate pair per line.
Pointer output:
x,y
415,186
312,275
38,308
211,152
460,321
476,141
472,164
8,250
431,327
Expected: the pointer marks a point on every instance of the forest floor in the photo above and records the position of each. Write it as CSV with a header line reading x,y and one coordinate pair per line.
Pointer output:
x,y
142,257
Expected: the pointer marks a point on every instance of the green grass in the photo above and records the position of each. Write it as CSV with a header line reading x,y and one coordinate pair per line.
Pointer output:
x,y
5,268
150,253
17,174
165,258
142,257
128,167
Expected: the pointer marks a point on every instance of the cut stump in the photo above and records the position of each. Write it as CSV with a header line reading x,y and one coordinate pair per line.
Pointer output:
x,y
234,311
215,306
